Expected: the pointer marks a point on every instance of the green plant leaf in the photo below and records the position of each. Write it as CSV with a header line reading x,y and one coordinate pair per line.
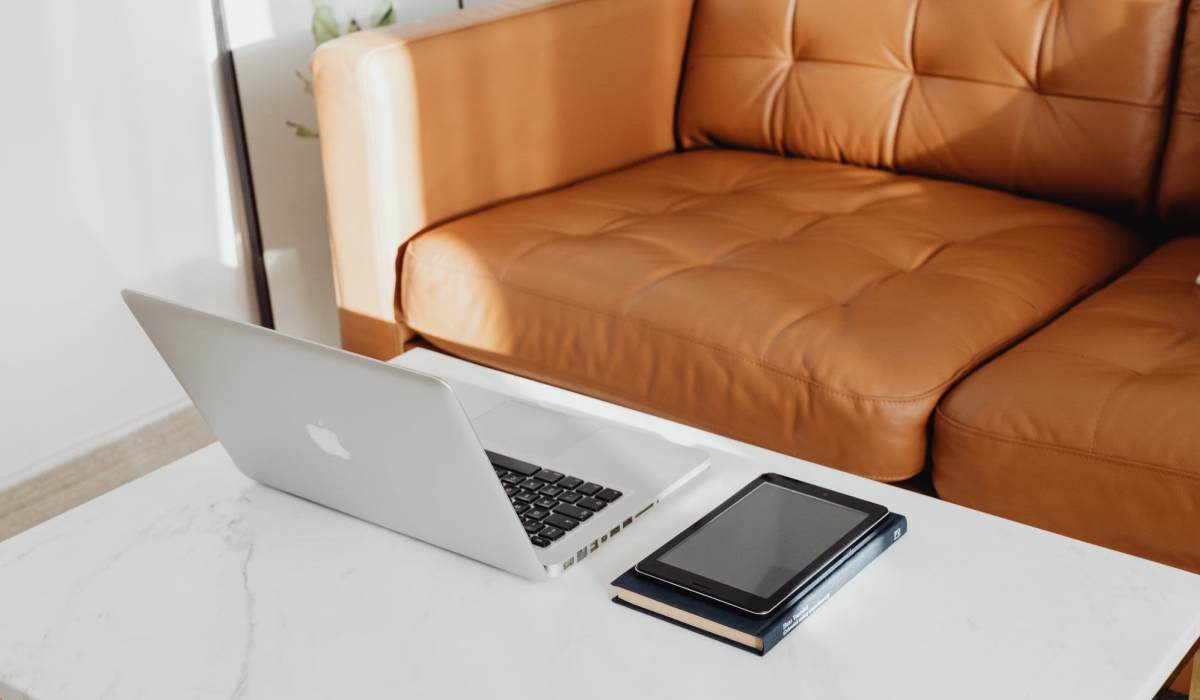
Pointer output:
x,y
308,88
302,131
324,24
353,26
385,15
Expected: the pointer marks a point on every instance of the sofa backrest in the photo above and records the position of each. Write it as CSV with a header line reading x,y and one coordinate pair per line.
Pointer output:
x,y
1179,193
1060,99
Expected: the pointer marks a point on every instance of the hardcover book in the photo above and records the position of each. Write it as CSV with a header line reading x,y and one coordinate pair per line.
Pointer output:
x,y
754,633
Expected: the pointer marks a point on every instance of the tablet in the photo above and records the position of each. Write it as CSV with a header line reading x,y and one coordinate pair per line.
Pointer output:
x,y
763,544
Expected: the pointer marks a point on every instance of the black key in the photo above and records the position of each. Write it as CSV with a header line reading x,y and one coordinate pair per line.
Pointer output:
x,y
550,491
510,490
537,513
500,471
572,511
545,502
539,541
551,533
569,497
533,527
520,507
560,522
548,476
591,504
589,488
609,495
570,482
512,479
511,464
526,497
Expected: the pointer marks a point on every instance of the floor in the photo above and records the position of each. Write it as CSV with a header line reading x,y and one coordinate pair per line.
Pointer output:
x,y
101,470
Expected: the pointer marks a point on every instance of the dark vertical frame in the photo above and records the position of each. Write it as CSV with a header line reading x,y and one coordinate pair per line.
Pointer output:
x,y
233,101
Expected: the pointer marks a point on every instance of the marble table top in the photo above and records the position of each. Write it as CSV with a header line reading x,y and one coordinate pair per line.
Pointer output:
x,y
195,582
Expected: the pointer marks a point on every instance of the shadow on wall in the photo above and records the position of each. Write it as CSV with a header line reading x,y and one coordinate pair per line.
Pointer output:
x,y
7,692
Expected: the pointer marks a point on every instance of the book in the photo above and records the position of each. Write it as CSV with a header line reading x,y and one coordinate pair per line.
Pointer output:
x,y
754,633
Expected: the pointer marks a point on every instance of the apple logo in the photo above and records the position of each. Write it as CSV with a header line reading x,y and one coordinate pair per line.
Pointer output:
x,y
327,440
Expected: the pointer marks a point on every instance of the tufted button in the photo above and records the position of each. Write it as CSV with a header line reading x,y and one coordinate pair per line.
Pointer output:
x,y
788,302
1023,96
1099,409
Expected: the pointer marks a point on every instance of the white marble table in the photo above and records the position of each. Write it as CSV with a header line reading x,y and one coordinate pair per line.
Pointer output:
x,y
194,582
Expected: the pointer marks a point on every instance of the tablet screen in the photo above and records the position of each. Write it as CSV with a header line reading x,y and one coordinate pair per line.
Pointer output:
x,y
758,544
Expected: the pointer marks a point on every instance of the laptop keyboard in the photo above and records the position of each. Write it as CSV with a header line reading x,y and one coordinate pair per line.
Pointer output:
x,y
548,503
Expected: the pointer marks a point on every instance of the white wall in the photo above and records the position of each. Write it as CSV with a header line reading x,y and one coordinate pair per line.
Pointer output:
x,y
272,41
112,174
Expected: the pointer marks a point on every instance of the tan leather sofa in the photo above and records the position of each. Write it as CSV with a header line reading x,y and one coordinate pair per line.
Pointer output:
x,y
1091,427
801,224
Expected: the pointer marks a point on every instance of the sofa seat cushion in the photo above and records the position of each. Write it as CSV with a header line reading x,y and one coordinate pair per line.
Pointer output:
x,y
1091,427
813,308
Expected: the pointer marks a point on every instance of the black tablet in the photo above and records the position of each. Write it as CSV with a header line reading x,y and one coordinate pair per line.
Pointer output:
x,y
764,543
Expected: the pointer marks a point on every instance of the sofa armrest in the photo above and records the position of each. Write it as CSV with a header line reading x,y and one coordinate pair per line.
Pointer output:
x,y
424,122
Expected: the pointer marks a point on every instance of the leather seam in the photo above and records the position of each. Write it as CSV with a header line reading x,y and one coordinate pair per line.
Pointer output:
x,y
636,294
1079,355
1135,318
779,127
985,282
942,418
1043,31
936,390
912,79
956,78
613,227
685,61
1104,406
1171,112
634,401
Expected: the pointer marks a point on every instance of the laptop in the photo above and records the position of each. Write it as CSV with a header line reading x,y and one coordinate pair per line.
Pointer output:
x,y
527,488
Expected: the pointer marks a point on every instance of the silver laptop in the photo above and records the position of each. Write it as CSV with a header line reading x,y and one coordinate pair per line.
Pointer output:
x,y
523,487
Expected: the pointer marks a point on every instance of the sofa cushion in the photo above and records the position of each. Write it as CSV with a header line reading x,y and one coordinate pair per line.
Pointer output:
x,y
813,308
1056,98
1091,427
1179,194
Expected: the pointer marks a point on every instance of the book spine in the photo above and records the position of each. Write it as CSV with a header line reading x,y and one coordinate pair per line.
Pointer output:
x,y
798,611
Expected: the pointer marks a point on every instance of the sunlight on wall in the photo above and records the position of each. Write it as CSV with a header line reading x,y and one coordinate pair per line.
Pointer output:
x,y
114,175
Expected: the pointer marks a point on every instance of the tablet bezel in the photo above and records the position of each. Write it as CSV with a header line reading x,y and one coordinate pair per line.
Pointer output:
x,y
653,567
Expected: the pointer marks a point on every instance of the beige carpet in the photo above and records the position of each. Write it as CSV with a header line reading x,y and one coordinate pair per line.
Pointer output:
x,y
102,470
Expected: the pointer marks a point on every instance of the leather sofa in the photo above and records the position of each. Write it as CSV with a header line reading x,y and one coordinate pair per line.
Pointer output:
x,y
867,234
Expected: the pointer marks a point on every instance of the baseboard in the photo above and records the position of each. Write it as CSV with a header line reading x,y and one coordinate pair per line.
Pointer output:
x,y
135,452
90,444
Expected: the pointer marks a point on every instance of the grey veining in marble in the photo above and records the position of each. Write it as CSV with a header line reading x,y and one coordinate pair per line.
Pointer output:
x,y
194,582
